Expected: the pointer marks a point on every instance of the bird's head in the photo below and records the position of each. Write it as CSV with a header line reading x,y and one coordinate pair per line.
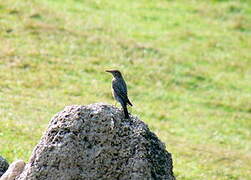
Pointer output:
x,y
115,73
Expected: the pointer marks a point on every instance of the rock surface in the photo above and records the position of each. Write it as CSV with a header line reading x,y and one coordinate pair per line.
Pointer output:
x,y
14,170
95,142
3,165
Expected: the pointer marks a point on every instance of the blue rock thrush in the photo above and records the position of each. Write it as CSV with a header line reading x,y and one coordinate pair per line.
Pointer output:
x,y
120,90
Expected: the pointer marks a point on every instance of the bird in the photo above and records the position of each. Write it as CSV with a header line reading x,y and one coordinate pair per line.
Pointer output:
x,y
119,90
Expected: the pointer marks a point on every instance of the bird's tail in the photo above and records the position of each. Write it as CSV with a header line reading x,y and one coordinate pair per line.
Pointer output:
x,y
126,112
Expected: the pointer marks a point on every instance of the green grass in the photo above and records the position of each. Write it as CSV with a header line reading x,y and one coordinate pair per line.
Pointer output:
x,y
187,66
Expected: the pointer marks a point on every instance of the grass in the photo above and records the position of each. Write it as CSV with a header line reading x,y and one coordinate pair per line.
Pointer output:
x,y
187,65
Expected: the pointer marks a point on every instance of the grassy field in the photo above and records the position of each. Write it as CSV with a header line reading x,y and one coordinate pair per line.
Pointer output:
x,y
187,66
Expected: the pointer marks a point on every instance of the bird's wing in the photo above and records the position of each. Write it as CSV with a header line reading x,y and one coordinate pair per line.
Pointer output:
x,y
120,88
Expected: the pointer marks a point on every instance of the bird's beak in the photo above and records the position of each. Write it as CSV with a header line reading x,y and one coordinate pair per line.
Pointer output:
x,y
109,71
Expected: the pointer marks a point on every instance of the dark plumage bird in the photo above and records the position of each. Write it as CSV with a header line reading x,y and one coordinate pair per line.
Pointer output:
x,y
119,90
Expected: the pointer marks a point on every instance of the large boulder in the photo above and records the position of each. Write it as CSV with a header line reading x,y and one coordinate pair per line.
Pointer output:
x,y
95,142
3,165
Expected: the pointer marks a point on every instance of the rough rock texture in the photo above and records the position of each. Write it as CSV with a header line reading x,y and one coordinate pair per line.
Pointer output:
x,y
3,165
14,170
95,142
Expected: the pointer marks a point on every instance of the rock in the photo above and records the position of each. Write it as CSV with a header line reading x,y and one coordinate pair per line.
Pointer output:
x,y
14,170
95,142
3,165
